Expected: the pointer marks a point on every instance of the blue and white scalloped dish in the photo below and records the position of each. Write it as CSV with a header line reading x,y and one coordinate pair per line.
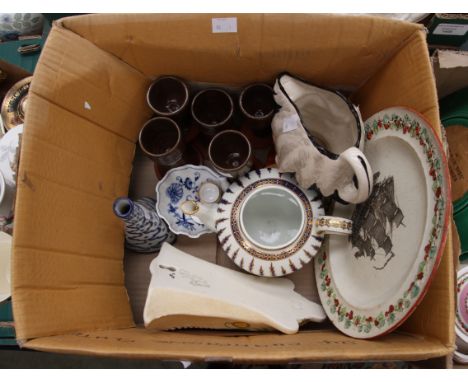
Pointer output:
x,y
179,185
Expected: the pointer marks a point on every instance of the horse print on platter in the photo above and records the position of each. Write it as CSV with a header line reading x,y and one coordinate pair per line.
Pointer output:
x,y
374,222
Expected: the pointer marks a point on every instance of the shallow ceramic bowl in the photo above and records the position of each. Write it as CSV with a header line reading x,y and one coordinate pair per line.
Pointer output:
x,y
179,185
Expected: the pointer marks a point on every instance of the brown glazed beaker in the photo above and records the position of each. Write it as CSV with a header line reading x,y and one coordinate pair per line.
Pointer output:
x,y
160,139
212,110
168,96
230,153
257,105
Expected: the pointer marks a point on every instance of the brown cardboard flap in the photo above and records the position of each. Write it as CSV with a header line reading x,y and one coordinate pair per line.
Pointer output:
x,y
436,313
64,224
324,345
89,82
91,306
64,256
81,145
326,49
400,83
75,160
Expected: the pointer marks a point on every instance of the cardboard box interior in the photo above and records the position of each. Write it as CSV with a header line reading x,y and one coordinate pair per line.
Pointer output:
x,y
87,104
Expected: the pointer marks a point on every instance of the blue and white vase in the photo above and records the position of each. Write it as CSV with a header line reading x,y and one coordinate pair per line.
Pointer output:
x,y
145,231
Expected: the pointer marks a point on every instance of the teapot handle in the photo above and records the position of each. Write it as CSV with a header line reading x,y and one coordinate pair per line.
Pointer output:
x,y
204,213
362,169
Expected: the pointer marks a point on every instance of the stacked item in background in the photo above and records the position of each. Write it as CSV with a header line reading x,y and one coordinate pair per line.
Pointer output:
x,y
22,36
7,326
454,117
451,74
448,30
14,86
461,320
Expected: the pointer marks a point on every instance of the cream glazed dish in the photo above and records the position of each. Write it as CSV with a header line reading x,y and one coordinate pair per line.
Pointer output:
x,y
370,282
187,292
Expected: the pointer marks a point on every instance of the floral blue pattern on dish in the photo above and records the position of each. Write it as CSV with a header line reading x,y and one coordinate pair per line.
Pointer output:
x,y
183,220
175,192
179,185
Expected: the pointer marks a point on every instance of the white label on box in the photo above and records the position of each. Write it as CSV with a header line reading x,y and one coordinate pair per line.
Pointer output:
x,y
224,25
451,29
291,123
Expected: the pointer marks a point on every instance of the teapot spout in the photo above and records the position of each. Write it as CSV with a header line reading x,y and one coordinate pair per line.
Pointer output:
x,y
204,213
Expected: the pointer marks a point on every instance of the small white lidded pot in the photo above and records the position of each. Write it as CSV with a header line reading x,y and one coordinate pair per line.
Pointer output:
x,y
209,192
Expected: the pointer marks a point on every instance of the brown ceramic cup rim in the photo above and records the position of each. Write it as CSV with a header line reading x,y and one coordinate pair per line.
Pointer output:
x,y
241,98
168,113
201,92
153,155
228,170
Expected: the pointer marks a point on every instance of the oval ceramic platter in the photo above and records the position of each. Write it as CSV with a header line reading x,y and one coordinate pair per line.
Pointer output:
x,y
179,185
261,261
371,281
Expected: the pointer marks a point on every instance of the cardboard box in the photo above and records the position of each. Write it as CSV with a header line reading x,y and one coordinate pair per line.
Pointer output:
x,y
87,105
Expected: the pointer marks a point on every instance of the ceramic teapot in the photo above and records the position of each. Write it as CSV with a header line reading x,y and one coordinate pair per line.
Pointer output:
x,y
267,224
